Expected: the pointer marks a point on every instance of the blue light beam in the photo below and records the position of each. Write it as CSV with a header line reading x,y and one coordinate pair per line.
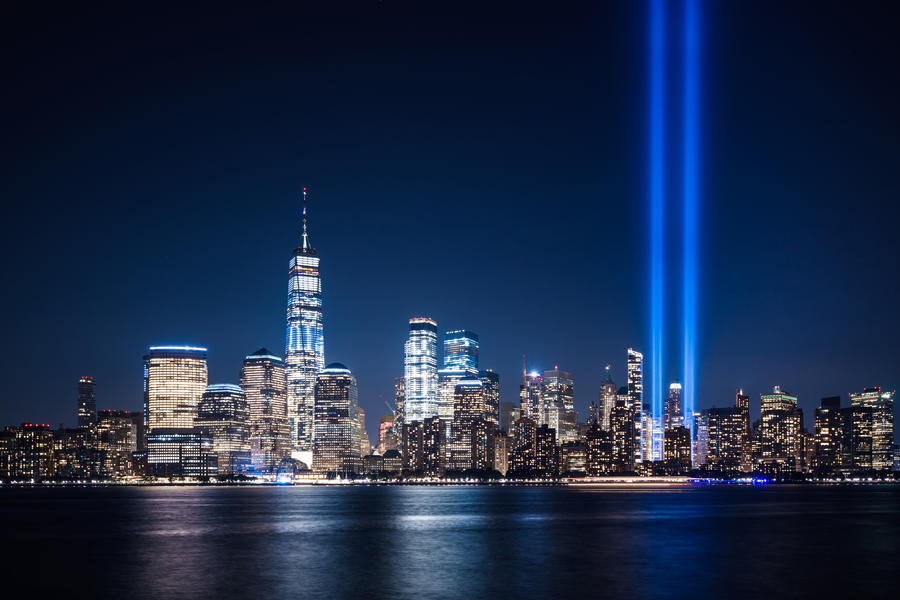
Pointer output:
x,y
657,201
690,183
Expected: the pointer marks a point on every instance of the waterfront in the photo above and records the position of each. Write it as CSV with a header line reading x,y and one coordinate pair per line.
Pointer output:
x,y
430,542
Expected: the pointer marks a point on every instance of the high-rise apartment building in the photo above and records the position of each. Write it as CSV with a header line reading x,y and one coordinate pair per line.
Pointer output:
x,y
674,408
635,376
337,434
264,383
420,371
87,403
399,405
304,354
622,430
223,418
490,383
607,399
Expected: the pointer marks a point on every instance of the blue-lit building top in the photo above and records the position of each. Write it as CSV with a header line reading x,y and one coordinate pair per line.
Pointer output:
x,y
420,370
461,350
305,342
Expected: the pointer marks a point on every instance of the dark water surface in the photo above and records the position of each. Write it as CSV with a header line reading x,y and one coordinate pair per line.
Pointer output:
x,y
453,542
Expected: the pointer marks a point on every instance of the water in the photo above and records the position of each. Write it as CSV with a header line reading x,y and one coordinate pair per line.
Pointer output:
x,y
453,542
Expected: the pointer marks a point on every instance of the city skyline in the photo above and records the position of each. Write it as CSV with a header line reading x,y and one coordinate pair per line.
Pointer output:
x,y
789,297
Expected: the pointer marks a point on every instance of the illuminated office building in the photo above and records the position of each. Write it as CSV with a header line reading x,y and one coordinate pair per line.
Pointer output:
x,y
174,381
622,431
469,448
725,438
87,403
780,425
490,383
399,404
674,408
116,437
635,373
531,397
175,378
264,383
434,447
699,439
448,378
607,400
572,458
223,418
461,350
677,450
828,434
742,402
501,453
337,434
856,447
365,448
598,451
304,354
420,371
558,404
522,455
881,403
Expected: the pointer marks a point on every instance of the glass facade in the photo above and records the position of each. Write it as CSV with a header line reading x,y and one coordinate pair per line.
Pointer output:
x,y
420,370
607,400
223,418
264,383
461,350
635,367
674,409
175,378
337,434
490,382
87,403
558,404
305,342
881,403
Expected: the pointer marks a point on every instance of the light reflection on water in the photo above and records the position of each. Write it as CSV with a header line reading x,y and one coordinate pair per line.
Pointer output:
x,y
447,542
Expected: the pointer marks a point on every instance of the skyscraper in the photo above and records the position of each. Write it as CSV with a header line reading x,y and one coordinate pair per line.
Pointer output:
x,y
558,406
305,342
881,403
674,409
337,434
263,381
87,404
399,405
531,398
780,425
607,399
828,434
461,350
490,382
742,402
365,447
635,370
175,378
469,437
420,370
223,418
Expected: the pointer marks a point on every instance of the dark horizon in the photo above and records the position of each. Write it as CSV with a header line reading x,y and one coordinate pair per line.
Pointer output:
x,y
481,166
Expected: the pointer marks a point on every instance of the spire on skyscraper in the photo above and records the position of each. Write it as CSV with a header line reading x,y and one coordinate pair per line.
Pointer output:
x,y
305,236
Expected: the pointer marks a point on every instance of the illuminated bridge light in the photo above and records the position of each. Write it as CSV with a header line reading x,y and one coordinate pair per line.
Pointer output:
x,y
657,140
691,196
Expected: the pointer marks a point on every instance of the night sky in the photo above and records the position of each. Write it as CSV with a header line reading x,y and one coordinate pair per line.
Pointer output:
x,y
485,167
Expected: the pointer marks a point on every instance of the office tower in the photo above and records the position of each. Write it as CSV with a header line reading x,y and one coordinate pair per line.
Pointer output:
x,y
175,378
531,397
365,448
522,456
392,462
598,458
558,410
115,436
420,370
501,453
828,433
572,458
881,403
434,447
856,446
677,450
607,399
399,404
593,414
674,409
699,439
622,429
336,435
223,418
87,404
546,452
461,350
635,372
373,464
412,445
264,383
780,424
304,354
387,436
490,383
448,377
725,444
742,402
469,448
